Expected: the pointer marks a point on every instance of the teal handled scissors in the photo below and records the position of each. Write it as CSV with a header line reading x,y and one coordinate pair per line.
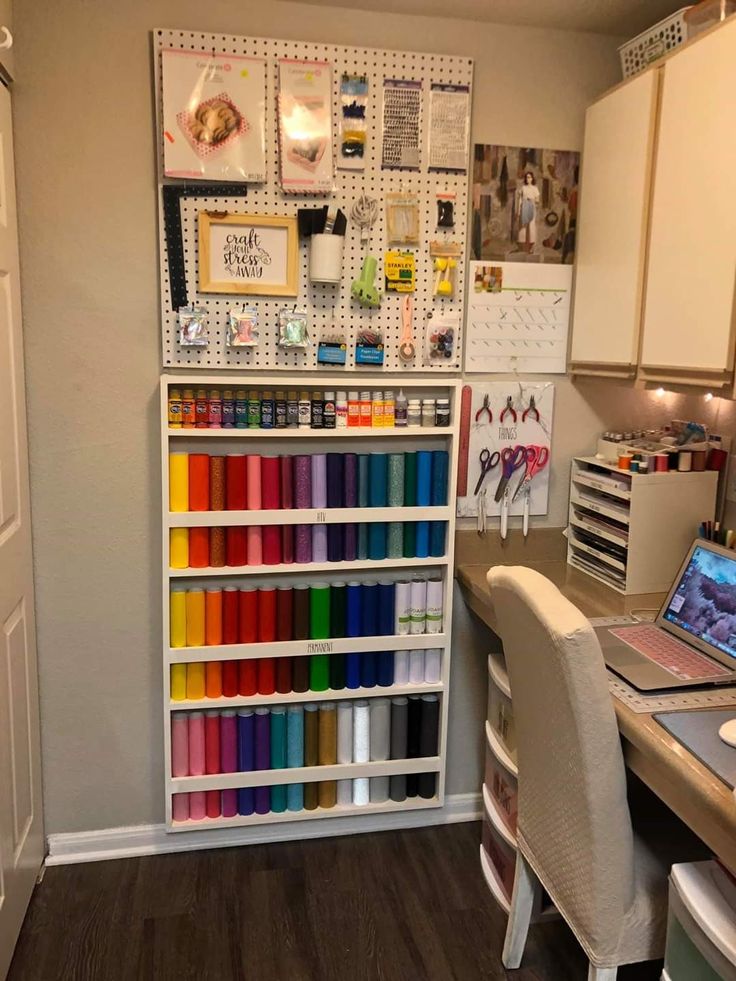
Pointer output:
x,y
488,461
537,458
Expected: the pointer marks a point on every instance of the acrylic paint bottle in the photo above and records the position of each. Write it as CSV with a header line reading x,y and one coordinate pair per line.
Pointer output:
x,y
228,409
241,409
389,409
254,410
318,411
341,409
329,411
401,410
292,411
214,411
188,412
174,408
201,409
353,409
268,411
377,410
305,411
280,410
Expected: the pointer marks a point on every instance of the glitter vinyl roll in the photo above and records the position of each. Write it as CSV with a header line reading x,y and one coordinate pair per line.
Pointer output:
x,y
230,599
335,543
302,482
402,607
254,545
416,667
236,497
319,480
178,618
278,756
434,607
428,743
179,744
217,483
253,467
285,613
319,611
354,609
301,611
199,548
432,666
395,539
236,546
361,749
369,609
327,789
248,615
350,480
266,615
195,618
218,548
196,683
399,726
363,479
335,481
246,758
350,542
311,752
380,745
213,617
287,544
418,605
178,682
286,467
344,749
199,482
319,543
395,478
270,483
401,667
303,544
178,481
271,538
295,754
377,543
386,607
196,744
179,548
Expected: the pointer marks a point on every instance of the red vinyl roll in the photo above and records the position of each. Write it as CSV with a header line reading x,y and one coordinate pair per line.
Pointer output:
x,y
285,614
229,679
213,680
235,482
199,482
199,548
266,675
270,483
283,675
214,807
211,742
287,482
248,676
248,616
266,615
287,544
271,545
230,615
236,545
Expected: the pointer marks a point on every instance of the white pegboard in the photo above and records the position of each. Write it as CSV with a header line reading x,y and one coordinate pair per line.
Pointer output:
x,y
330,307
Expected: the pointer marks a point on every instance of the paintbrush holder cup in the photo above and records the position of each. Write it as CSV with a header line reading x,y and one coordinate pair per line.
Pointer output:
x,y
325,258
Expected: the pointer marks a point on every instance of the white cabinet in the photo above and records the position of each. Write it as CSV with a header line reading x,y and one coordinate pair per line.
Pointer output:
x,y
689,305
611,247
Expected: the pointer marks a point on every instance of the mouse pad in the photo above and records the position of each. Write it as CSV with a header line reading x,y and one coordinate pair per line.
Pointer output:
x,y
697,730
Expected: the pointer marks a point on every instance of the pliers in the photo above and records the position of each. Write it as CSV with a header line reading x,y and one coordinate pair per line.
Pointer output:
x,y
532,411
484,408
508,408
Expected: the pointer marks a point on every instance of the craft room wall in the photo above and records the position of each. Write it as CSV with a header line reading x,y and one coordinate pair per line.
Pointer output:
x,y
87,205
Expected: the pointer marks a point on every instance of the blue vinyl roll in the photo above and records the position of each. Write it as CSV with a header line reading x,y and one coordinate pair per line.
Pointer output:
x,y
368,669
386,603
278,756
369,609
295,754
424,479
422,546
335,543
440,471
437,538
354,608
377,541
363,480
362,540
352,670
378,480
246,758
385,669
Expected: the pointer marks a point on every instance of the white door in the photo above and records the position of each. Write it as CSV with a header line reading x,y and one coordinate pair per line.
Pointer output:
x,y
21,820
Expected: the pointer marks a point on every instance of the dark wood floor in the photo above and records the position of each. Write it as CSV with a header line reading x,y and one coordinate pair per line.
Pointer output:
x,y
396,906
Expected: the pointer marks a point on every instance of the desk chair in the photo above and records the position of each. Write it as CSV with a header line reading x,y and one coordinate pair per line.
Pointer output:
x,y
574,833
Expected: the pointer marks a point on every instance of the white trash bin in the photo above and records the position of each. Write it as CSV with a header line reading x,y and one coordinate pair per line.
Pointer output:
x,y
701,924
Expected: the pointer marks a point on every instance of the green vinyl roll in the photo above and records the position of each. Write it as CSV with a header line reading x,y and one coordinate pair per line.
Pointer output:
x,y
410,539
319,672
319,611
410,480
278,755
363,459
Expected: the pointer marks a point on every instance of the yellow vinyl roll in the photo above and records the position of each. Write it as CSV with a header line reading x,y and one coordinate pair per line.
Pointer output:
x,y
179,548
195,618
196,680
178,618
178,682
178,481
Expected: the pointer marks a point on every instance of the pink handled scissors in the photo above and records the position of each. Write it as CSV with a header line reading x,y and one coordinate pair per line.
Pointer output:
x,y
536,460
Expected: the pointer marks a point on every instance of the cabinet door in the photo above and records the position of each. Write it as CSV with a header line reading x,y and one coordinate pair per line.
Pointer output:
x,y
617,161
689,305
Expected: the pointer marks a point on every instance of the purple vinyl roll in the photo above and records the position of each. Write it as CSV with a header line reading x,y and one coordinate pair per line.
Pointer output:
x,y
263,739
335,481
302,481
302,543
350,477
319,543
319,481
350,543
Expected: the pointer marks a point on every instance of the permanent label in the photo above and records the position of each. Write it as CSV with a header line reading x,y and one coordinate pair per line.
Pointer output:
x,y
319,647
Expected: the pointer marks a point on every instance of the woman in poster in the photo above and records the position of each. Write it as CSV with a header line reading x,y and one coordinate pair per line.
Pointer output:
x,y
526,212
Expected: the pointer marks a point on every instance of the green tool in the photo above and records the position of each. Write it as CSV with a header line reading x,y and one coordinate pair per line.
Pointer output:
x,y
364,289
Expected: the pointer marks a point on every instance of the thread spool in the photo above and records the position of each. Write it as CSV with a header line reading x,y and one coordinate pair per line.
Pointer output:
x,y
684,461
661,462
624,461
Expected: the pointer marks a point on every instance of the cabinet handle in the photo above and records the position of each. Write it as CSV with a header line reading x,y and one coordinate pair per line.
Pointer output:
x,y
7,41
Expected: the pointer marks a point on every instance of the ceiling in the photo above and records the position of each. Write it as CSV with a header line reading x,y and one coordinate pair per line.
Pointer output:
x,y
621,18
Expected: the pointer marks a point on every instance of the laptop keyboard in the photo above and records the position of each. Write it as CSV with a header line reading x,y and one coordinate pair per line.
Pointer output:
x,y
669,653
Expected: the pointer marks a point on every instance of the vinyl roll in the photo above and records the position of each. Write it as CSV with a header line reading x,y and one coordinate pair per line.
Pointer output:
x,y
350,480
421,547
218,548
319,543
199,482
311,752
295,754
271,491
418,606
416,667
319,672
236,482
236,546
350,542
368,669
286,468
284,613
229,759
180,807
214,806
248,615
211,742
338,609
253,467
319,611
197,805
195,618
179,548
213,617
362,550
363,479
424,478
386,607
271,537
179,744
401,667
287,544
319,480
178,482
284,683
428,743
213,679
262,758
395,480
196,744
369,594
303,544
246,758
352,670
354,609
344,749
377,541
335,543
302,481
433,623
301,604
385,668
230,600
432,666
178,618
410,480
410,539
178,682
229,679
337,672
327,789
196,681
300,674
254,545
413,733
394,539
361,749
380,745
266,615
402,607
439,478
437,535
378,480
335,481
399,729
248,676
266,675
199,548
278,756
217,483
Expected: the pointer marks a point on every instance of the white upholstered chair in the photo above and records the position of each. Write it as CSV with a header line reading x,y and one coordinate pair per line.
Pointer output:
x,y
574,828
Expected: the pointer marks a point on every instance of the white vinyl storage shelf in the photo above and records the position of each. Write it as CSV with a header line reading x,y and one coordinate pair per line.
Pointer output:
x,y
307,607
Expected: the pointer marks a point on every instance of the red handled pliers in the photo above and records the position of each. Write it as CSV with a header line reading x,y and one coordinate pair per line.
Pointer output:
x,y
484,408
532,411
510,409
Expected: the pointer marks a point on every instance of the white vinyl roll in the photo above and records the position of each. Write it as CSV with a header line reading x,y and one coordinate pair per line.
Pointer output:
x,y
418,606
361,749
434,606
401,667
344,749
402,606
416,667
432,666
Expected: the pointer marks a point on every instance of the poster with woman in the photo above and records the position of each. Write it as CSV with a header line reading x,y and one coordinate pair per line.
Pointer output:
x,y
525,204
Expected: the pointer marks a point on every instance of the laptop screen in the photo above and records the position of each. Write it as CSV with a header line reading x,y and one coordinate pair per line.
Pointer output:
x,y
704,601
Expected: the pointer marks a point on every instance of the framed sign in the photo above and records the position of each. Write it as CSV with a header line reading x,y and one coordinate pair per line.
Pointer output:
x,y
252,254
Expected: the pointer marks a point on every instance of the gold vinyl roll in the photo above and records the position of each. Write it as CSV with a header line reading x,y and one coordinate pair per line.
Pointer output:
x,y
327,793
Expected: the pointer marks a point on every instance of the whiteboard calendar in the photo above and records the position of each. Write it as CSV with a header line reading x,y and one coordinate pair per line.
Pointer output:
x,y
518,315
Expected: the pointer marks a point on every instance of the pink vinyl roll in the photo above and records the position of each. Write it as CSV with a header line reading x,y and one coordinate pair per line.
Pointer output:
x,y
270,483
287,544
198,805
255,545
253,465
179,745
180,807
196,746
287,482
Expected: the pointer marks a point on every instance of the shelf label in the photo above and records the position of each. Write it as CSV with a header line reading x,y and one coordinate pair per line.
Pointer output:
x,y
319,647
321,517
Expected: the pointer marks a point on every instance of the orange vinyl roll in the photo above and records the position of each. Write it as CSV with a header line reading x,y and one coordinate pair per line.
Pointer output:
x,y
195,680
213,617
199,548
213,679
199,482
217,547
217,483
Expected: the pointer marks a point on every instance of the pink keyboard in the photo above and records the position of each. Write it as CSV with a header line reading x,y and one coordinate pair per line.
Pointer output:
x,y
669,653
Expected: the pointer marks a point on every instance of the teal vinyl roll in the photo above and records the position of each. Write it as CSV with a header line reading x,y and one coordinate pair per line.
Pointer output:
x,y
363,480
377,541
278,755
440,473
295,755
378,480
362,540
424,478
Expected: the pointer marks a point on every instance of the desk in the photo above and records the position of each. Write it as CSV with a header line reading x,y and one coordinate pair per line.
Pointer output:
x,y
688,788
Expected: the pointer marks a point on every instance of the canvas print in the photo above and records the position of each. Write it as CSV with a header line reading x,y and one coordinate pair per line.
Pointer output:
x,y
525,204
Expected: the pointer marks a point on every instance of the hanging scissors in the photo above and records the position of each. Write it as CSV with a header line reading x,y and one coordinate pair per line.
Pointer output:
x,y
536,460
482,512
488,461
486,407
511,460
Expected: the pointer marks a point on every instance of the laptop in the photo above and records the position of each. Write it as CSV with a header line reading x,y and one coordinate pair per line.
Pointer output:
x,y
693,640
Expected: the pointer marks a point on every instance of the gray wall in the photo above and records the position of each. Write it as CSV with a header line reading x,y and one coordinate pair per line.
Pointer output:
x,y
87,204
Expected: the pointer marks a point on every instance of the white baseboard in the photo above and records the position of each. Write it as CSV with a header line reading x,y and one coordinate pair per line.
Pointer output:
x,y
152,839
